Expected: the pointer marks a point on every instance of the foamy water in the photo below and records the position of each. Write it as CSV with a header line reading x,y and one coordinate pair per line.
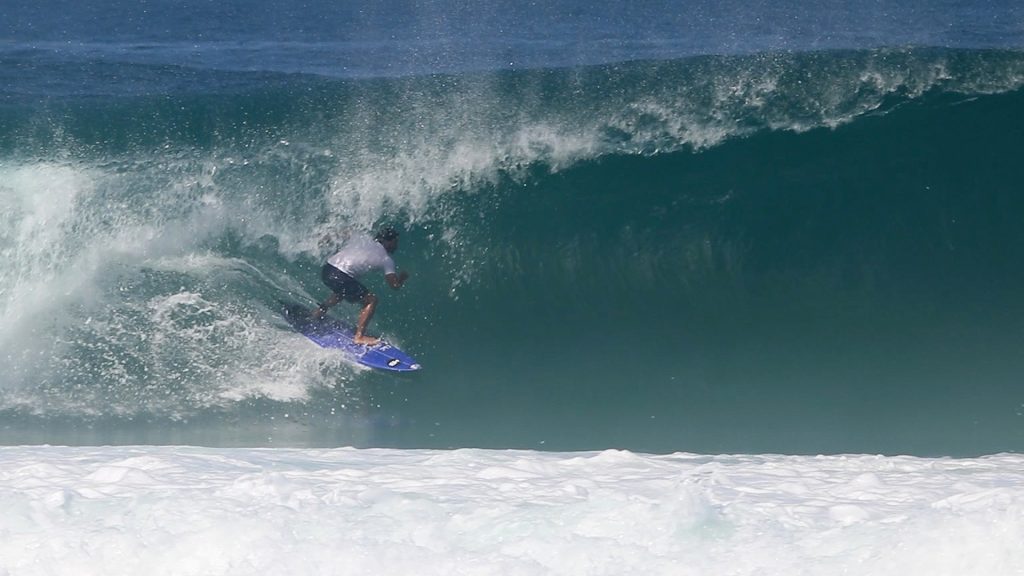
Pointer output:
x,y
189,510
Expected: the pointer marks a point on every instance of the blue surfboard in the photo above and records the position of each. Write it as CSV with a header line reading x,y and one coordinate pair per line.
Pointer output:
x,y
330,332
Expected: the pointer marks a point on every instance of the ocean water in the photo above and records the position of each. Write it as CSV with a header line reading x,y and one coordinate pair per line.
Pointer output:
x,y
699,234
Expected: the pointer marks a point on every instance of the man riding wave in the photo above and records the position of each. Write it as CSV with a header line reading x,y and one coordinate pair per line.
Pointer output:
x,y
360,255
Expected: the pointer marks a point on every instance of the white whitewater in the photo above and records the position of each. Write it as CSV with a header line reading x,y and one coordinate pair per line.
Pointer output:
x,y
191,511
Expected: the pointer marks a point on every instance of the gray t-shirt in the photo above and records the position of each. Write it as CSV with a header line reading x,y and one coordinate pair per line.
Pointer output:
x,y
362,254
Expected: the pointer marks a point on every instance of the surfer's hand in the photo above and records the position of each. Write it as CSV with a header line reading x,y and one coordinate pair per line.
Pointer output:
x,y
396,280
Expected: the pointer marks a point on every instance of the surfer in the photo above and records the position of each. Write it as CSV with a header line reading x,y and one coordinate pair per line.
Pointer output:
x,y
360,254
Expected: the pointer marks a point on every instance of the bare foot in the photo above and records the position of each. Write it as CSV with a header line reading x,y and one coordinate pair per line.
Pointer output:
x,y
366,340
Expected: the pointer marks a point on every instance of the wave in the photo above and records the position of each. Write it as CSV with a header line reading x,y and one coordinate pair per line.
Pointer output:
x,y
803,232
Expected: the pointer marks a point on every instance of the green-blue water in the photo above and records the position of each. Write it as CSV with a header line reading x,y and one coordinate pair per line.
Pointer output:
x,y
815,251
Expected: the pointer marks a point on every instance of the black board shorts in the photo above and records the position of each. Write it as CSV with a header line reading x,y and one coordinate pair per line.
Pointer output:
x,y
346,287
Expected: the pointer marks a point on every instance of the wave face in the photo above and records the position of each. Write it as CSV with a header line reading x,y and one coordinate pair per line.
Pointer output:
x,y
788,252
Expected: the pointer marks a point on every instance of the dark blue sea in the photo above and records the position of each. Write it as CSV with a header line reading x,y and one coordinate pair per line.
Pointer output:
x,y
701,226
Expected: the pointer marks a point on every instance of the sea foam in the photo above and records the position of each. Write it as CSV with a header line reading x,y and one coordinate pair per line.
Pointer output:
x,y
190,510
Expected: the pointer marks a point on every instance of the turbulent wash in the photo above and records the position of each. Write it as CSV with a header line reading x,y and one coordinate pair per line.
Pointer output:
x,y
235,511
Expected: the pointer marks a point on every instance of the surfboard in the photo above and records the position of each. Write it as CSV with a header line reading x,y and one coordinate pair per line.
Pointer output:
x,y
329,332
